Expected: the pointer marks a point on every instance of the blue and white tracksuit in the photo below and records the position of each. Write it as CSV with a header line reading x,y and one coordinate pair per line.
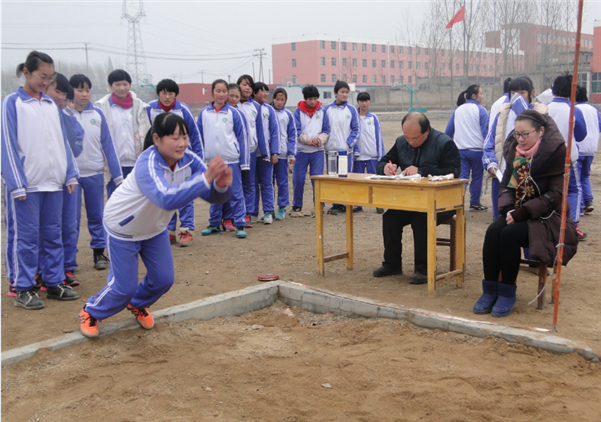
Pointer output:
x,y
136,218
489,158
468,127
559,110
36,162
224,134
370,147
307,155
264,171
98,146
251,111
344,129
186,213
288,137
587,149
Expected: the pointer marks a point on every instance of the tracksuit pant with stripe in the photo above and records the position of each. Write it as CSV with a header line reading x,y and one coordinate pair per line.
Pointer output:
x,y
263,186
186,217
234,208
122,287
248,184
472,160
315,162
585,162
575,193
29,223
93,193
280,178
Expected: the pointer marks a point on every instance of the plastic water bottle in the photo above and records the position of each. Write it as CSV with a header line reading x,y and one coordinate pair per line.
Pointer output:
x,y
332,163
342,163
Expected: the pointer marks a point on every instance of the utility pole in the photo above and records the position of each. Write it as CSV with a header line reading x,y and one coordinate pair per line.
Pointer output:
x,y
228,79
87,63
260,55
254,70
202,75
269,76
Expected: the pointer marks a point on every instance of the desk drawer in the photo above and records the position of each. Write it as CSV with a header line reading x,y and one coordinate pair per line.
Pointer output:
x,y
344,193
411,199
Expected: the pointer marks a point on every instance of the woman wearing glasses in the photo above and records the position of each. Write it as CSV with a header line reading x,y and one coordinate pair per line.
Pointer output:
x,y
36,162
530,205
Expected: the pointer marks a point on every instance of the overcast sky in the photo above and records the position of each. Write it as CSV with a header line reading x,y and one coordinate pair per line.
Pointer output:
x,y
208,29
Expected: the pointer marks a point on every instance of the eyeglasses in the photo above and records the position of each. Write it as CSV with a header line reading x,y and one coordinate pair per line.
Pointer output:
x,y
43,78
522,135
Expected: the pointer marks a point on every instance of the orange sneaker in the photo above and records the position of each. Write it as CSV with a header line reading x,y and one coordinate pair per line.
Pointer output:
x,y
144,317
185,239
88,325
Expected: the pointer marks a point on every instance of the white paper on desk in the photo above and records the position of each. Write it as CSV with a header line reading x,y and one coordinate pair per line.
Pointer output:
x,y
450,176
397,177
499,175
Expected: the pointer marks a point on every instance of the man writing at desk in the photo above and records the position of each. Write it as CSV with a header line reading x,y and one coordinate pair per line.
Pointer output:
x,y
425,151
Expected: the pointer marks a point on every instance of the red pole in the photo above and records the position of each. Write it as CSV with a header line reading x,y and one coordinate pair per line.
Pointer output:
x,y
566,173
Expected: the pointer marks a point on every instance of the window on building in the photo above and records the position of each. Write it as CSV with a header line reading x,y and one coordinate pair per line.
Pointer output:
x,y
333,45
373,48
442,52
426,51
391,79
409,50
322,45
456,66
401,80
392,49
294,79
344,61
323,77
354,79
327,94
343,46
484,55
596,83
374,79
401,64
410,80
333,61
333,78
427,65
477,54
392,64
490,67
383,48
456,53
364,48
401,49
344,77
417,65
383,79
293,46
364,62
293,62
354,45
383,63
409,65
442,66
418,50
323,61
364,79
450,67
354,62
373,63
477,68
471,67
471,54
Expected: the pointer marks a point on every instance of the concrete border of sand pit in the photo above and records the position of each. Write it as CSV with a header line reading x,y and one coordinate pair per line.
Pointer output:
x,y
318,301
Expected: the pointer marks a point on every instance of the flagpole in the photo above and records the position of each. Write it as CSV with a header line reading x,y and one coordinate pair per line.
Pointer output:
x,y
451,59
464,52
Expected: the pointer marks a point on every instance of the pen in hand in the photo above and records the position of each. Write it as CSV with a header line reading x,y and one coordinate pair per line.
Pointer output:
x,y
393,171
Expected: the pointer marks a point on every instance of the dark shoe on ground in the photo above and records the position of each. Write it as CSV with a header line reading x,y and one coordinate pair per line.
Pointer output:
x,y
61,292
477,207
228,225
505,301
101,262
418,278
296,212
29,300
70,279
588,207
357,209
581,235
88,325
490,293
380,210
386,271
144,317
38,282
337,210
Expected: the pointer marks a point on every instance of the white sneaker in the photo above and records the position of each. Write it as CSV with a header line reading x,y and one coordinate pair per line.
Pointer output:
x,y
267,218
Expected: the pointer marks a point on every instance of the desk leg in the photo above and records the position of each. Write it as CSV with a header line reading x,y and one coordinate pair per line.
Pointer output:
x,y
349,236
319,228
432,252
460,248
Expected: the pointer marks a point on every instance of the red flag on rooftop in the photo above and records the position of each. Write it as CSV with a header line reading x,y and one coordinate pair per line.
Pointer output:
x,y
459,16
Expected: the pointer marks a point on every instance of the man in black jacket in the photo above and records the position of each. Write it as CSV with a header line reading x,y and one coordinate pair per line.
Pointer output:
x,y
425,151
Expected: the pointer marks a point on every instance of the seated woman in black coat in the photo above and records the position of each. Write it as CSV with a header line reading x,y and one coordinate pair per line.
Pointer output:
x,y
530,204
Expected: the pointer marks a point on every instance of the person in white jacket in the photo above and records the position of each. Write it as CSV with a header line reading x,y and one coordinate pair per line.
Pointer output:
x,y
587,148
128,122
165,177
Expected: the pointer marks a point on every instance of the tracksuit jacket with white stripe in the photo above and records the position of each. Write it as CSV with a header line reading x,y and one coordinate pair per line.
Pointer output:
x,y
142,207
344,126
35,157
183,111
312,127
224,134
288,133
468,126
271,130
252,110
589,145
371,143
75,133
559,110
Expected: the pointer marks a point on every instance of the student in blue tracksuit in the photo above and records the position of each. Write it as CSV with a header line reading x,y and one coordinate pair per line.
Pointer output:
x,y
222,130
468,127
370,147
344,130
167,91
265,161
587,148
559,110
166,177
313,132
36,162
98,147
60,91
288,136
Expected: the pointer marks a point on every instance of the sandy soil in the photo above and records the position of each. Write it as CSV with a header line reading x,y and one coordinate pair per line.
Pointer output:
x,y
222,263
282,364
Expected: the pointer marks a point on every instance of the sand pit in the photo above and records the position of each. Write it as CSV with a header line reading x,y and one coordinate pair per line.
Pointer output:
x,y
285,364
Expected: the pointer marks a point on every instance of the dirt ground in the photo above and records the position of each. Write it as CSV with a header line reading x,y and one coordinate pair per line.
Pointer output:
x,y
221,263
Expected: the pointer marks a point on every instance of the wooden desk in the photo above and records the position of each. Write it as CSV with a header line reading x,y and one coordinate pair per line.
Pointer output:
x,y
422,196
